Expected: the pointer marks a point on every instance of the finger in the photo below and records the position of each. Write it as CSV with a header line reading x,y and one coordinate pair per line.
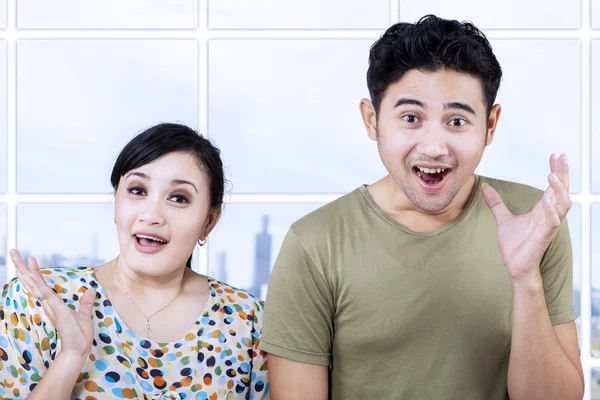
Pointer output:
x,y
563,200
25,281
495,203
53,301
87,302
553,164
23,273
550,193
16,258
552,220
563,171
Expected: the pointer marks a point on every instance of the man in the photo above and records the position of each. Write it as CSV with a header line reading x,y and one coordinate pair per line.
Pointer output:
x,y
432,283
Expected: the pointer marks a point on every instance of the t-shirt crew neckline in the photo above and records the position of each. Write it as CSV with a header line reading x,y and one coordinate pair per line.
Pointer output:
x,y
125,330
471,201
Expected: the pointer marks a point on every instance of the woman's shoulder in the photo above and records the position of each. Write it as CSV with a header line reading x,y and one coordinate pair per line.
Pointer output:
x,y
239,299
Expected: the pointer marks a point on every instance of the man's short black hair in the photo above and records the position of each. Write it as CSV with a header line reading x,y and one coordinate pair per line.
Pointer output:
x,y
430,45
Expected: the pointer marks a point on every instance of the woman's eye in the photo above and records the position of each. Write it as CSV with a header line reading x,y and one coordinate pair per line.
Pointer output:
x,y
411,119
136,191
179,198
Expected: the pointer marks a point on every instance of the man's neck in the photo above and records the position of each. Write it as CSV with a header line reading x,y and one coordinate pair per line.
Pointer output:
x,y
393,201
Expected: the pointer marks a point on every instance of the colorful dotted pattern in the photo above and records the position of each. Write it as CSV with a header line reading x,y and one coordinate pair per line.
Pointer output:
x,y
218,359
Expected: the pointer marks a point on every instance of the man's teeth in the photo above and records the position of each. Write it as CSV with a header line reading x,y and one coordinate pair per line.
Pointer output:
x,y
151,238
431,171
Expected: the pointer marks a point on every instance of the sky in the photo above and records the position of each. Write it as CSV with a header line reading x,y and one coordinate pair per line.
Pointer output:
x,y
306,14
2,13
106,14
532,14
75,114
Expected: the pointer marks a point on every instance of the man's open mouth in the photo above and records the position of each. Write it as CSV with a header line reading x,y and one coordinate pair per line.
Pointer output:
x,y
431,176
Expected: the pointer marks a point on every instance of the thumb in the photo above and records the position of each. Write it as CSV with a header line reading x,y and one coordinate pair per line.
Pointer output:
x,y
495,203
87,302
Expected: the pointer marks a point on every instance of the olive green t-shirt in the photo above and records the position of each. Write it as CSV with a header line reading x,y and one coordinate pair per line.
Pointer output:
x,y
399,314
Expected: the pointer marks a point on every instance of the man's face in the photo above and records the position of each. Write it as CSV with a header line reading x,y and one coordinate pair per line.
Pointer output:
x,y
432,128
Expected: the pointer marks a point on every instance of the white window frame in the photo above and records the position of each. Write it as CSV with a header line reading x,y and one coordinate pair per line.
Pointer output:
x,y
203,35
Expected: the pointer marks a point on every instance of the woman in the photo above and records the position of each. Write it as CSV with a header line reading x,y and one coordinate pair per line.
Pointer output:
x,y
144,325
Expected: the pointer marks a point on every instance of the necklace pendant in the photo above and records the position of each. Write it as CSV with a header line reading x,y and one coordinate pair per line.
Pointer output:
x,y
148,327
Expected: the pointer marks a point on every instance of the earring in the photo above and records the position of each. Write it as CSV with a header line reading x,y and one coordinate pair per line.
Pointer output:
x,y
201,243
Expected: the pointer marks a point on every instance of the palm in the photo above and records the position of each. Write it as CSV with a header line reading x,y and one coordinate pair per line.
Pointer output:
x,y
75,327
523,239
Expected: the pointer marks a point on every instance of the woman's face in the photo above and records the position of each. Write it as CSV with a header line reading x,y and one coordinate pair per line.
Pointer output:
x,y
162,209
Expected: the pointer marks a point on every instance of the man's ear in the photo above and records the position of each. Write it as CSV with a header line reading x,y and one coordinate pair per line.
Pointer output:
x,y
492,123
369,116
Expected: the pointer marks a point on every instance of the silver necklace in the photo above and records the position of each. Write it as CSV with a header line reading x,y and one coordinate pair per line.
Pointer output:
x,y
147,326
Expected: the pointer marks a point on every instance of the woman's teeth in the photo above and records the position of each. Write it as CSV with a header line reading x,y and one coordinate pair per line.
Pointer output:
x,y
151,238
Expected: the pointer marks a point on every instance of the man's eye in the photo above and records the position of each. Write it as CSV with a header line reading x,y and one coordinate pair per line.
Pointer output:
x,y
457,122
411,119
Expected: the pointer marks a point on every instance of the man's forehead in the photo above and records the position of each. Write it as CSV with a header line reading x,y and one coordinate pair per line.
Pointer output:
x,y
437,88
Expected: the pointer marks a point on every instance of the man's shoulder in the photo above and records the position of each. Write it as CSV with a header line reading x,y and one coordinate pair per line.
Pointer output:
x,y
518,197
330,215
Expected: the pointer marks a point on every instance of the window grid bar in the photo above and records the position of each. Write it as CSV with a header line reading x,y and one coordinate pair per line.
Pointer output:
x,y
11,132
394,11
271,34
585,293
202,36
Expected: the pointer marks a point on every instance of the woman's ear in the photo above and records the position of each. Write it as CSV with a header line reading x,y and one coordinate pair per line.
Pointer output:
x,y
213,217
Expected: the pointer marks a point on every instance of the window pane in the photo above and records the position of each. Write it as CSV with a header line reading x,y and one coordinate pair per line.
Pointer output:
x,y
67,234
530,124
288,121
596,14
299,14
245,243
595,384
3,245
595,280
91,97
3,112
595,116
107,14
489,14
3,21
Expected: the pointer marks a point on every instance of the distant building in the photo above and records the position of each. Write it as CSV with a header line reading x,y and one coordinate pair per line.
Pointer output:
x,y
220,271
262,258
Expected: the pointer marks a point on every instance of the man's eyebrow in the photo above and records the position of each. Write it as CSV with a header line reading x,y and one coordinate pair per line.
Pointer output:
x,y
409,101
460,106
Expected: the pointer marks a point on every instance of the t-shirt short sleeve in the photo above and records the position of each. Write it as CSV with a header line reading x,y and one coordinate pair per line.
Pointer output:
x,y
299,309
557,275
